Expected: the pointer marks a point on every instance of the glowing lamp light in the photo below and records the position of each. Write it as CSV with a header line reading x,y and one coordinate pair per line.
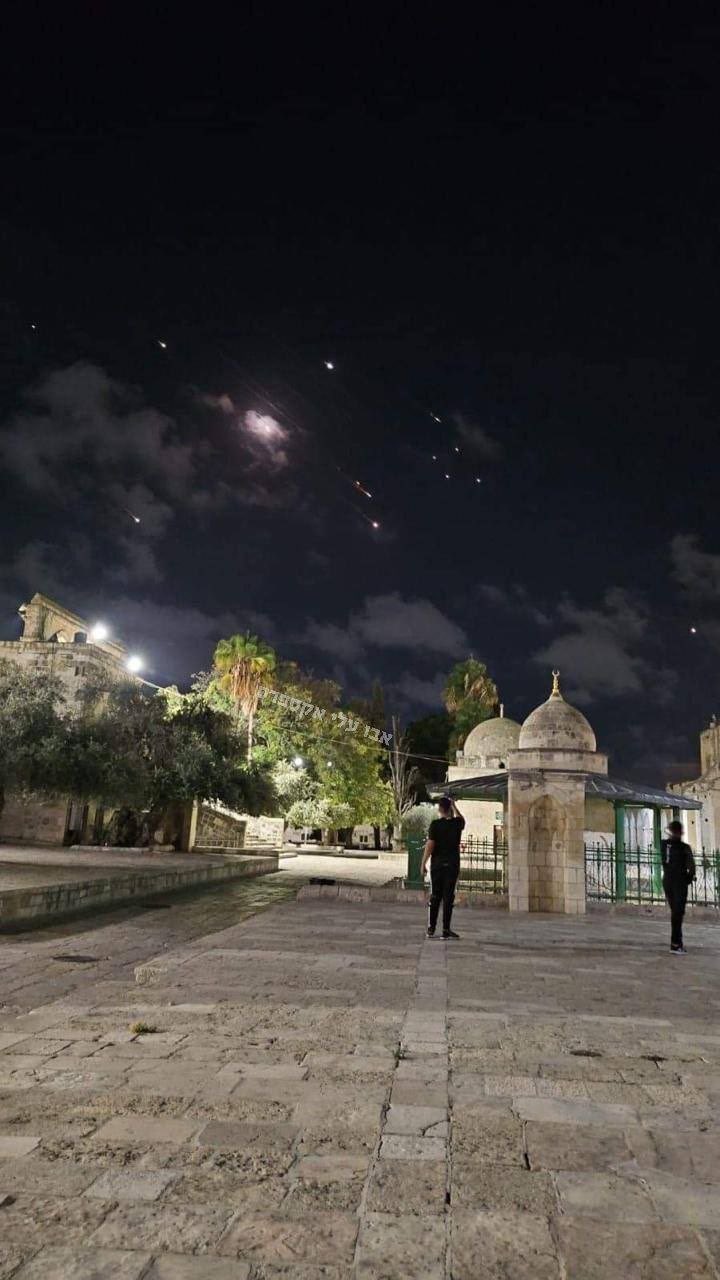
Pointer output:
x,y
456,449
134,663
99,631
329,364
447,476
162,344
136,519
376,524
693,631
298,762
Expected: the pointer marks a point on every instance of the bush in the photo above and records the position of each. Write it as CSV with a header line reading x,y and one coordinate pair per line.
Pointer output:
x,y
417,821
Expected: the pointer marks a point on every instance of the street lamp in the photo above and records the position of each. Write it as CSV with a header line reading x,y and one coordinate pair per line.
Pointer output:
x,y
99,631
134,663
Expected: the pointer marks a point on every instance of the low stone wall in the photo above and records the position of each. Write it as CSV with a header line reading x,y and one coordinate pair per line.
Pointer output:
x,y
262,830
33,821
44,904
217,829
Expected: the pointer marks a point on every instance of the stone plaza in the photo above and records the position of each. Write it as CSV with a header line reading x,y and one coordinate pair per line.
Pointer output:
x,y
253,1085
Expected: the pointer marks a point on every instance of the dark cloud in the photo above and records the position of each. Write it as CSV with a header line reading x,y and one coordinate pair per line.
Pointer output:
x,y
601,651
390,622
414,691
697,571
81,417
514,600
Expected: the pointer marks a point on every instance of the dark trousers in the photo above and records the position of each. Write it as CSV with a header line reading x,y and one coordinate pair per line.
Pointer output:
x,y
443,877
676,896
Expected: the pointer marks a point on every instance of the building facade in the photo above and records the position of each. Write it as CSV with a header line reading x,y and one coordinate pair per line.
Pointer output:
x,y
58,643
485,752
703,827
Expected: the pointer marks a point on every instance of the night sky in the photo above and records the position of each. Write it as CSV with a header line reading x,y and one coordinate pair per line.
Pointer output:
x,y
511,227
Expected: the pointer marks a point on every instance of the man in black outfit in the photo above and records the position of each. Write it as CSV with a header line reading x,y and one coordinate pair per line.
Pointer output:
x,y
678,867
442,851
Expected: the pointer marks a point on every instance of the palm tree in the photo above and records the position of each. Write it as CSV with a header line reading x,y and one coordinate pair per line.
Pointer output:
x,y
243,666
470,695
470,681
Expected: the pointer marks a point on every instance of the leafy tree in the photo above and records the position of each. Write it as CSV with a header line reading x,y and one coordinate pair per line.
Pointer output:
x,y
429,741
33,733
155,753
339,782
471,696
318,810
243,666
405,780
416,821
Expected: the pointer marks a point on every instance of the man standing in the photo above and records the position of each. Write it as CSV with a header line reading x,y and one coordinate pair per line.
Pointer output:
x,y
678,867
442,851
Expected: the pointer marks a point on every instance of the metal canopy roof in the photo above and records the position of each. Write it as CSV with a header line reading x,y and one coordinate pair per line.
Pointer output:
x,y
494,787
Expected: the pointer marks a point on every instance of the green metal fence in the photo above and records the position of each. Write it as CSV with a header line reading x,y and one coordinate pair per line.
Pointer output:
x,y
483,866
635,875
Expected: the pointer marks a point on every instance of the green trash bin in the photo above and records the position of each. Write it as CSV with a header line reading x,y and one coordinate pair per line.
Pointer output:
x,y
415,846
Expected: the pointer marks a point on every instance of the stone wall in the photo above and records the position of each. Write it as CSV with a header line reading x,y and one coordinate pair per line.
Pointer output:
x,y
44,904
546,829
263,830
218,829
74,666
29,820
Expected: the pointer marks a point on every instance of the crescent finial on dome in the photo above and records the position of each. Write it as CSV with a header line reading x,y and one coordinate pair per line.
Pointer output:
x,y
556,685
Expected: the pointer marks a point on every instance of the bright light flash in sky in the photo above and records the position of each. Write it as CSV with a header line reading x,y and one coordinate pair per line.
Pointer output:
x,y
329,364
362,490
162,344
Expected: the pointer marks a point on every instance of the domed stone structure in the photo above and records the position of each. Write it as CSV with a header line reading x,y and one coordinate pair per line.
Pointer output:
x,y
488,744
546,807
485,752
556,726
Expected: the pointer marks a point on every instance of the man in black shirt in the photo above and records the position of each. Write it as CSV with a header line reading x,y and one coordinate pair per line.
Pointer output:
x,y
442,851
678,866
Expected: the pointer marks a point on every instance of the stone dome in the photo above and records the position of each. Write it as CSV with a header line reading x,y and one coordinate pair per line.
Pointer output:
x,y
492,738
556,726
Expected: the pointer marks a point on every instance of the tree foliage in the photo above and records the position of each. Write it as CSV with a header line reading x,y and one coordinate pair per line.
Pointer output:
x,y
243,666
405,779
152,750
33,733
471,696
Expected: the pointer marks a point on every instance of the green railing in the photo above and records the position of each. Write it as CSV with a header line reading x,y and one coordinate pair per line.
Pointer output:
x,y
635,875
483,866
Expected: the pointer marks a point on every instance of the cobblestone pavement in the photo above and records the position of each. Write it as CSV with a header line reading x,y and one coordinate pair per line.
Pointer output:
x,y
320,1093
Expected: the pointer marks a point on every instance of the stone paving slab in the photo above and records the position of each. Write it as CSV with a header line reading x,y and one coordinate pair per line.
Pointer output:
x,y
439,1110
